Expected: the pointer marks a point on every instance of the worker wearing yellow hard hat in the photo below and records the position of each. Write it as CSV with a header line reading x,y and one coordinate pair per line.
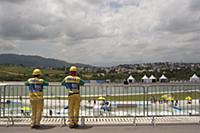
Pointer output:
x,y
36,72
189,99
170,98
73,69
101,98
35,85
72,83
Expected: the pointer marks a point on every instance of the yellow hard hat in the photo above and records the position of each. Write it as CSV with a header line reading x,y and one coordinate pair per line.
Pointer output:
x,y
73,69
36,72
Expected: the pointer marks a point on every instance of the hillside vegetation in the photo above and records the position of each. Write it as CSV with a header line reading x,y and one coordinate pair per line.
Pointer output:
x,y
20,73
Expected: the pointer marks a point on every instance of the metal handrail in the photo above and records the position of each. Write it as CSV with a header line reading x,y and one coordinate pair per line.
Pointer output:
x,y
136,100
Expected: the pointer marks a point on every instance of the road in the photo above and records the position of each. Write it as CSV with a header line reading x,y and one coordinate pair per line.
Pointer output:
x,y
106,129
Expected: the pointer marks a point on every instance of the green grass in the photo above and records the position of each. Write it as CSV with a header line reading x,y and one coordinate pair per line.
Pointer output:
x,y
178,96
21,73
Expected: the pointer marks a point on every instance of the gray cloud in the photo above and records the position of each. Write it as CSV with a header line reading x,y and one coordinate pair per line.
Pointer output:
x,y
24,22
178,18
195,5
102,32
12,1
6,46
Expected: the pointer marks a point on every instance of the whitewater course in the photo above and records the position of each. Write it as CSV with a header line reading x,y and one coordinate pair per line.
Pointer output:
x,y
106,100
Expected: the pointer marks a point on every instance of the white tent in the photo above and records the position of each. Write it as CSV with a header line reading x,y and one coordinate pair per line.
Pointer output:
x,y
145,79
194,78
131,79
163,78
152,78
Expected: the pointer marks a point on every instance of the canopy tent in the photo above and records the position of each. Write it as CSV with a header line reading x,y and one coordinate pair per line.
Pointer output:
x,y
131,79
189,99
145,79
194,78
152,78
163,78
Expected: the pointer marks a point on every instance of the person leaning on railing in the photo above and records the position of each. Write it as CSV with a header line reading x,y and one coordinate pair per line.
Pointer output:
x,y
72,83
35,85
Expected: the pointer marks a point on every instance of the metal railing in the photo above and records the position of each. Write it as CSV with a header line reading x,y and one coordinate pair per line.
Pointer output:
x,y
107,100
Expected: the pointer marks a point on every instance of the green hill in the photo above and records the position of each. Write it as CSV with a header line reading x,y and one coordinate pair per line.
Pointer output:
x,y
36,61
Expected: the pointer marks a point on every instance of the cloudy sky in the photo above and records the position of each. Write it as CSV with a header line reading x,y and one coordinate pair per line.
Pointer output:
x,y
102,32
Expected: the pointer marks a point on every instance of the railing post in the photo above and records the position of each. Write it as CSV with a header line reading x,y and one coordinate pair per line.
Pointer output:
x,y
63,122
7,124
153,121
145,100
82,121
12,121
134,121
144,112
147,103
4,100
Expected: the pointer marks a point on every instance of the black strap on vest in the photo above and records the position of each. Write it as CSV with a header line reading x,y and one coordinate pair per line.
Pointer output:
x,y
73,93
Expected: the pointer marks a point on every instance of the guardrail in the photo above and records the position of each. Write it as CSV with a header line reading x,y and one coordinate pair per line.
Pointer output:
x,y
108,100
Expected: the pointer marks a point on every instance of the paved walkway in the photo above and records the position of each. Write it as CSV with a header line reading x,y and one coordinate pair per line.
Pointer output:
x,y
105,129
181,124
